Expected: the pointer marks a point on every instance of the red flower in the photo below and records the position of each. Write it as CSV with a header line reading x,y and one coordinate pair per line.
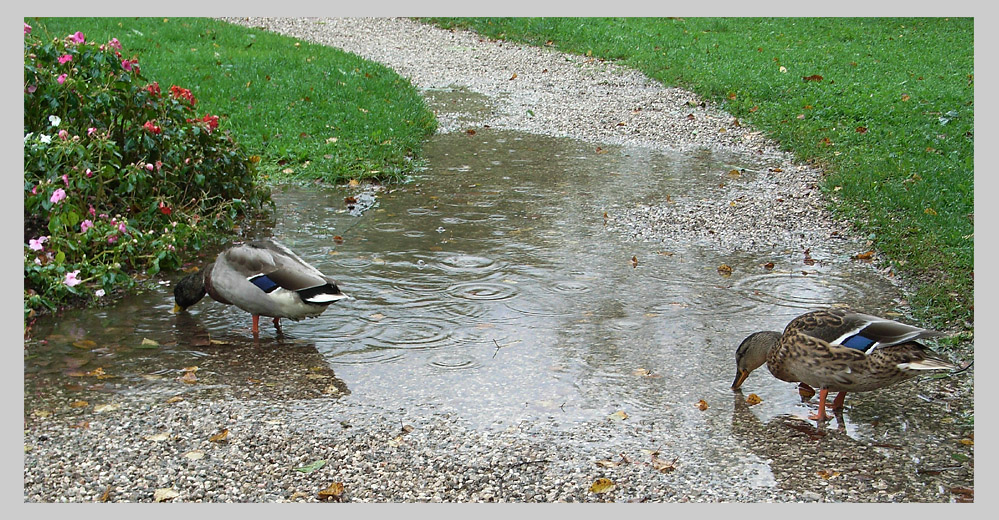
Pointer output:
x,y
212,121
164,209
183,93
151,126
153,88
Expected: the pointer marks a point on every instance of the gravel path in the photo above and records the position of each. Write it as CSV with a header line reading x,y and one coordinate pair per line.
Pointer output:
x,y
267,447
546,92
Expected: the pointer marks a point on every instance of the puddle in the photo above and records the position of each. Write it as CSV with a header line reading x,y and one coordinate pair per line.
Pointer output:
x,y
491,288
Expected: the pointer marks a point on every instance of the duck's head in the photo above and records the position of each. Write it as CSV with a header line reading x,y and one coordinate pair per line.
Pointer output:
x,y
752,353
188,291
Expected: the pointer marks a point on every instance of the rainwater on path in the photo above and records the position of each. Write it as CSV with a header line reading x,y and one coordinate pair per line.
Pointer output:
x,y
490,288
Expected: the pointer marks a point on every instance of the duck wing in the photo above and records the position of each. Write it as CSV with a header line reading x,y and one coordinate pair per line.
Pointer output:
x,y
270,265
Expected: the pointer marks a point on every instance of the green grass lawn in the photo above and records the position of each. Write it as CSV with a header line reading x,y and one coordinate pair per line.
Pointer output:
x,y
305,109
885,106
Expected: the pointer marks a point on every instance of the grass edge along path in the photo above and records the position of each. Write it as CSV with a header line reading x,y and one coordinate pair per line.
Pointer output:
x,y
884,106
309,111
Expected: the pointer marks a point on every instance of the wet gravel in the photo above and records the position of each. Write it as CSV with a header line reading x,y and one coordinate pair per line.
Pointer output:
x,y
229,445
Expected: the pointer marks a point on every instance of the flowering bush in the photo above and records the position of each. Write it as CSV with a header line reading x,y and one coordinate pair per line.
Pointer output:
x,y
119,178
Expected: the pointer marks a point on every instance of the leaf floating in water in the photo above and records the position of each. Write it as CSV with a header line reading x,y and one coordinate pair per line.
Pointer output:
x,y
808,257
702,405
769,266
149,342
338,239
79,404
725,270
866,256
376,316
734,174
309,468
85,344
634,261
189,377
602,485
619,415
753,400
220,436
333,492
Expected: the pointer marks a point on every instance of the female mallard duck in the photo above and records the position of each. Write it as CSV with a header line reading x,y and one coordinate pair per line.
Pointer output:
x,y
263,278
839,350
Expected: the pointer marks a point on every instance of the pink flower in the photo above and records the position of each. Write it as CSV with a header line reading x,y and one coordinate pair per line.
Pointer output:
x,y
36,243
65,178
27,29
58,195
34,190
63,135
77,37
90,173
65,58
127,65
121,227
91,131
114,44
71,278
32,88
151,126
149,166
92,211
85,225
61,79
112,239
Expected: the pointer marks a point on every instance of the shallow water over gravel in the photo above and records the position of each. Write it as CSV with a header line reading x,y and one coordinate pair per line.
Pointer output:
x,y
491,287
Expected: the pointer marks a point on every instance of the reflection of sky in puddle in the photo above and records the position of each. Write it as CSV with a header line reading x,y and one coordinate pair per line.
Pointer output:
x,y
489,287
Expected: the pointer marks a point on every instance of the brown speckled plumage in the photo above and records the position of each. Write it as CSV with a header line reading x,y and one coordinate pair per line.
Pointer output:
x,y
811,351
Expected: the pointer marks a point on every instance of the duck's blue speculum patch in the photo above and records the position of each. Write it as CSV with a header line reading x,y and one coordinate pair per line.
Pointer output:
x,y
858,342
264,283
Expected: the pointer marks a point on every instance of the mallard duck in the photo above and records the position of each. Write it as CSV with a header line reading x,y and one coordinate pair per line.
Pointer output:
x,y
839,350
263,278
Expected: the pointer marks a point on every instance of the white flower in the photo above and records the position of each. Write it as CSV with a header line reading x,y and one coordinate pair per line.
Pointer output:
x,y
27,136
55,120
44,138
99,293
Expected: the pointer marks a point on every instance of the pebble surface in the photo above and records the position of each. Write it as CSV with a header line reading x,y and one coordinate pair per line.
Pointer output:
x,y
268,447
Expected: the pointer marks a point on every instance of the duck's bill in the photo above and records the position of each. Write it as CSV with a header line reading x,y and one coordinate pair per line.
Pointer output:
x,y
740,378
177,308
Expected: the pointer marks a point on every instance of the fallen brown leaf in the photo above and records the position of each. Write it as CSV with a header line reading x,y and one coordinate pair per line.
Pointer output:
x,y
333,492
220,436
602,485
